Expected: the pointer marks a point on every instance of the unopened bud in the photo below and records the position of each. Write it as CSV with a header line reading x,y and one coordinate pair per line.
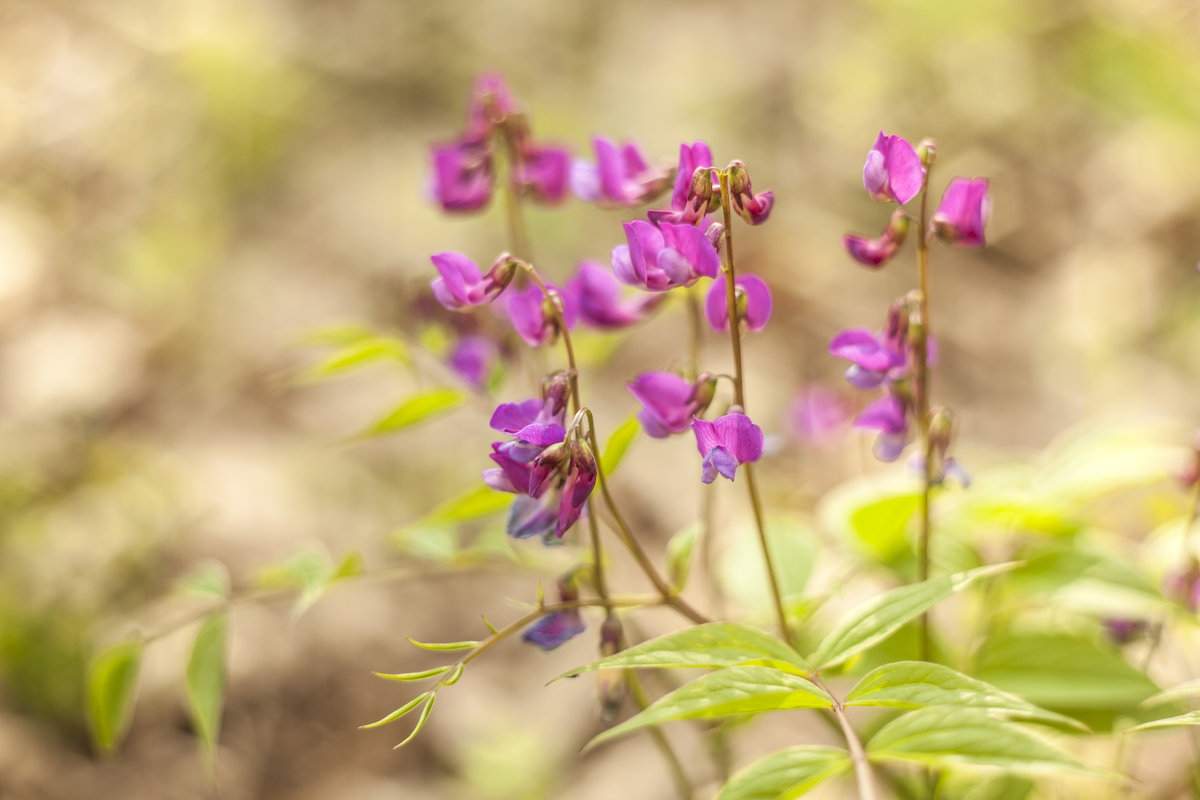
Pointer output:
x,y
754,208
549,463
568,587
927,152
740,302
703,392
556,387
941,425
611,683
700,192
582,457
502,271
895,330
714,234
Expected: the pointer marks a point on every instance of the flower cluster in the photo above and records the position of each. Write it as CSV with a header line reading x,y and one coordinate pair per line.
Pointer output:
x,y
463,173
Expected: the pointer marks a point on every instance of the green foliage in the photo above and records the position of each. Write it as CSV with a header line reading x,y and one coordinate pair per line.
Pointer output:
x,y
111,691
209,577
312,573
727,692
872,517
357,347
1190,718
205,678
480,501
786,774
794,552
679,555
415,676
618,444
401,711
418,408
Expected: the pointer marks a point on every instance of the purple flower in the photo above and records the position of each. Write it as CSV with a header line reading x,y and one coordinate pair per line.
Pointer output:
x,y
753,302
462,284
542,171
580,481
725,443
662,258
874,358
696,186
963,213
533,320
596,292
691,158
669,402
754,208
877,252
491,102
462,175
893,170
620,176
555,628
889,416
817,413
474,357
534,421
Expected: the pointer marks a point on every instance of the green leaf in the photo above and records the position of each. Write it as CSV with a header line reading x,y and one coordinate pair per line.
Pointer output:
x,y
975,786
618,443
399,712
786,774
210,577
421,720
917,684
724,693
444,645
417,408
679,555
948,736
873,517
111,692
414,676
205,680
350,567
1189,689
471,504
711,645
1190,718
880,617
357,354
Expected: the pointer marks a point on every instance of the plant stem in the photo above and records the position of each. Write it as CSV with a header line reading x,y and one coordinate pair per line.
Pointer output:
x,y
683,786
739,394
920,357
514,216
863,776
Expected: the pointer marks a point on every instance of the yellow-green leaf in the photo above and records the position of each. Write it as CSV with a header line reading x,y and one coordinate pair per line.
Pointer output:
x,y
111,691
618,443
205,678
416,409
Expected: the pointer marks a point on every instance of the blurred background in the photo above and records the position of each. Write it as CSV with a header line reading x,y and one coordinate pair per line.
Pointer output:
x,y
189,189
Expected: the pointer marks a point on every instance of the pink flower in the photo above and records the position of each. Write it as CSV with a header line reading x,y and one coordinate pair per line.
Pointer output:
x,y
620,176
726,443
662,258
462,175
818,413
542,172
874,253
532,319
597,294
893,170
669,402
462,285
753,300
963,213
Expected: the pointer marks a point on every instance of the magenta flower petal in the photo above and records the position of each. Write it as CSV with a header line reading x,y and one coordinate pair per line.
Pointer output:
x,y
725,443
758,303
893,170
863,348
459,276
662,258
621,175
597,293
555,628
691,157
462,176
666,400
963,213
817,413
885,414
491,101
542,171
512,417
473,357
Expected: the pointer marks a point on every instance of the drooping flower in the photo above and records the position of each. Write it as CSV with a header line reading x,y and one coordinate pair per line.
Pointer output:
x,y
669,402
963,213
753,303
541,172
663,257
889,416
462,284
555,628
462,175
726,443
531,317
621,176
754,208
875,253
474,357
893,170
697,190
880,358
580,480
596,292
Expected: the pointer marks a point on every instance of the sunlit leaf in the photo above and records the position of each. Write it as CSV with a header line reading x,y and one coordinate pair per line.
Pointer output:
x,y
358,354
873,517
917,684
417,408
679,555
1190,689
727,692
450,646
414,676
793,551
618,443
977,786
205,678
111,692
209,577
1190,718
399,712
881,616
713,644
948,736
421,720
471,504
786,774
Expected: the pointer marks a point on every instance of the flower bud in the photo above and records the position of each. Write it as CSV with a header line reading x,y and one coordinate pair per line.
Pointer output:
x,y
547,464
927,152
556,387
568,587
751,207
714,234
610,683
703,392
502,272
877,252
700,192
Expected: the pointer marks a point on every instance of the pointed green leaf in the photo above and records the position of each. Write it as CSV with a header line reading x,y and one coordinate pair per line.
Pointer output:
x,y
206,678
786,774
618,443
880,617
399,712
1190,718
455,673
679,555
357,354
414,676
917,684
727,692
444,645
946,736
416,409
471,504
974,786
350,567
713,644
111,691
1189,689
873,518
421,720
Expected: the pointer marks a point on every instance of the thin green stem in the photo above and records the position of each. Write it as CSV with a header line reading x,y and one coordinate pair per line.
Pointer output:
x,y
863,776
739,393
683,786
513,210
920,357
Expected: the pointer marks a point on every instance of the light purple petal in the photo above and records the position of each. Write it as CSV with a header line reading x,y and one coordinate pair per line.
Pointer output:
x,y
612,174
861,378
741,437
524,309
885,414
695,247
716,306
584,180
458,275
863,348
512,417
529,517
665,397
905,173
498,479
889,446
719,461
554,628
706,435
623,266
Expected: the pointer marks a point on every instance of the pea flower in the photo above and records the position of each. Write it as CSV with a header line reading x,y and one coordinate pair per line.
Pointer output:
x,y
462,175
669,402
474,357
462,285
754,208
531,316
541,171
876,359
490,103
556,627
893,170
888,415
697,190
620,176
875,253
596,293
726,443
663,257
753,298
963,212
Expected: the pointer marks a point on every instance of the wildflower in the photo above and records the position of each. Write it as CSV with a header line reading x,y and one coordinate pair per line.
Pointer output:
x,y
474,357
726,443
893,170
557,627
697,189
490,104
753,303
541,171
889,416
462,175
754,208
662,258
669,402
596,293
620,176
963,213
533,318
877,252
880,358
462,285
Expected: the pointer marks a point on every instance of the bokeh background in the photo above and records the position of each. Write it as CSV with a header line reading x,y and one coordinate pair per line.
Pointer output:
x,y
189,189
